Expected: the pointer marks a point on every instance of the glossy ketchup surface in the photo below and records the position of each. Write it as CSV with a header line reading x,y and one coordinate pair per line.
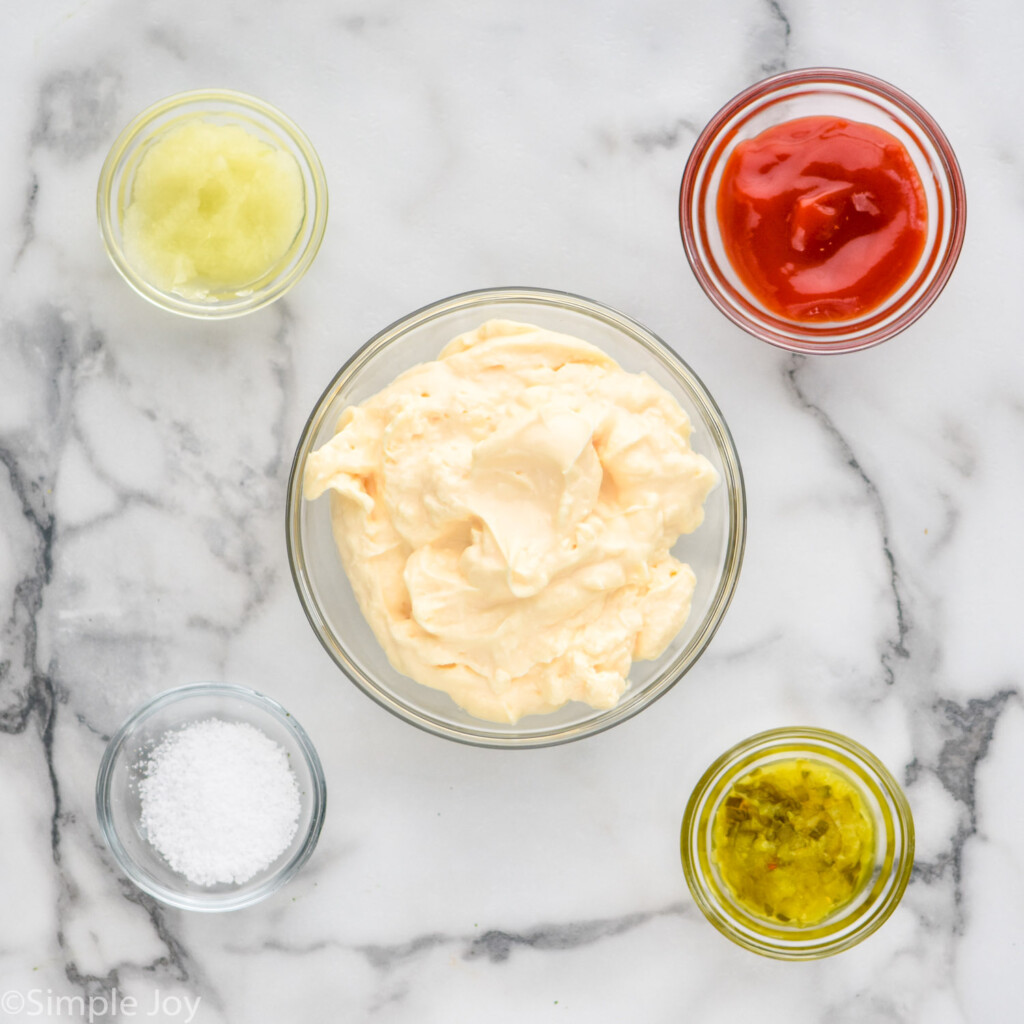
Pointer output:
x,y
822,218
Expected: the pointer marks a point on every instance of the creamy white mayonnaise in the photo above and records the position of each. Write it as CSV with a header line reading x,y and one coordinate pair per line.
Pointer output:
x,y
505,515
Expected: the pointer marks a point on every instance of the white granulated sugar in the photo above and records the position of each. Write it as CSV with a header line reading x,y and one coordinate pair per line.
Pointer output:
x,y
220,801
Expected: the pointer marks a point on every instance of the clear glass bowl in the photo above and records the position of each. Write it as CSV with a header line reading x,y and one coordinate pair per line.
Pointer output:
x,y
118,807
840,93
715,550
877,897
222,107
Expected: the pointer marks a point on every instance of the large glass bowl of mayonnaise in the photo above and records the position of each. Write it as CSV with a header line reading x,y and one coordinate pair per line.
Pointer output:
x,y
714,550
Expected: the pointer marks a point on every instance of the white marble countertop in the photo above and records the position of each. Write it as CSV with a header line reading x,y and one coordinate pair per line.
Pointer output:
x,y
142,467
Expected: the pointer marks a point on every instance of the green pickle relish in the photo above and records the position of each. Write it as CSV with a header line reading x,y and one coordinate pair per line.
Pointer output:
x,y
793,841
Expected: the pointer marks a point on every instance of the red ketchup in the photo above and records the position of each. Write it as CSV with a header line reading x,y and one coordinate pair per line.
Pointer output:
x,y
822,218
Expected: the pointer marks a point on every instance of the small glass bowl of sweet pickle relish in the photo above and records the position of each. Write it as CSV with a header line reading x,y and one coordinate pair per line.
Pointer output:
x,y
797,843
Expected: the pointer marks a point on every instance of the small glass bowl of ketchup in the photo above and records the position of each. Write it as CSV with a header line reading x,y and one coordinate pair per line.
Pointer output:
x,y
822,210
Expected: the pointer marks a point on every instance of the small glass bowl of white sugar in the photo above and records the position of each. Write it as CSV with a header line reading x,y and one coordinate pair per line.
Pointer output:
x,y
210,797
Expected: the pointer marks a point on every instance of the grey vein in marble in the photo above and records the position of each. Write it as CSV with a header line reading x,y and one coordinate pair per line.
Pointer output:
x,y
775,39
669,137
968,730
32,693
76,113
896,644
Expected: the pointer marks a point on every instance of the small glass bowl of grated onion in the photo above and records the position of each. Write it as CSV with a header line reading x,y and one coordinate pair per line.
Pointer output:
x,y
221,762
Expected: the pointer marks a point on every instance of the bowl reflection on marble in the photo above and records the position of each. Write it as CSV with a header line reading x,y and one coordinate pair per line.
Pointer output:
x,y
119,808
829,92
218,107
714,550
883,885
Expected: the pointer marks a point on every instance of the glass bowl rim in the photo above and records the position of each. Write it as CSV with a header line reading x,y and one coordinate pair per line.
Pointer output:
x,y
949,254
793,741
223,901
736,513
317,202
